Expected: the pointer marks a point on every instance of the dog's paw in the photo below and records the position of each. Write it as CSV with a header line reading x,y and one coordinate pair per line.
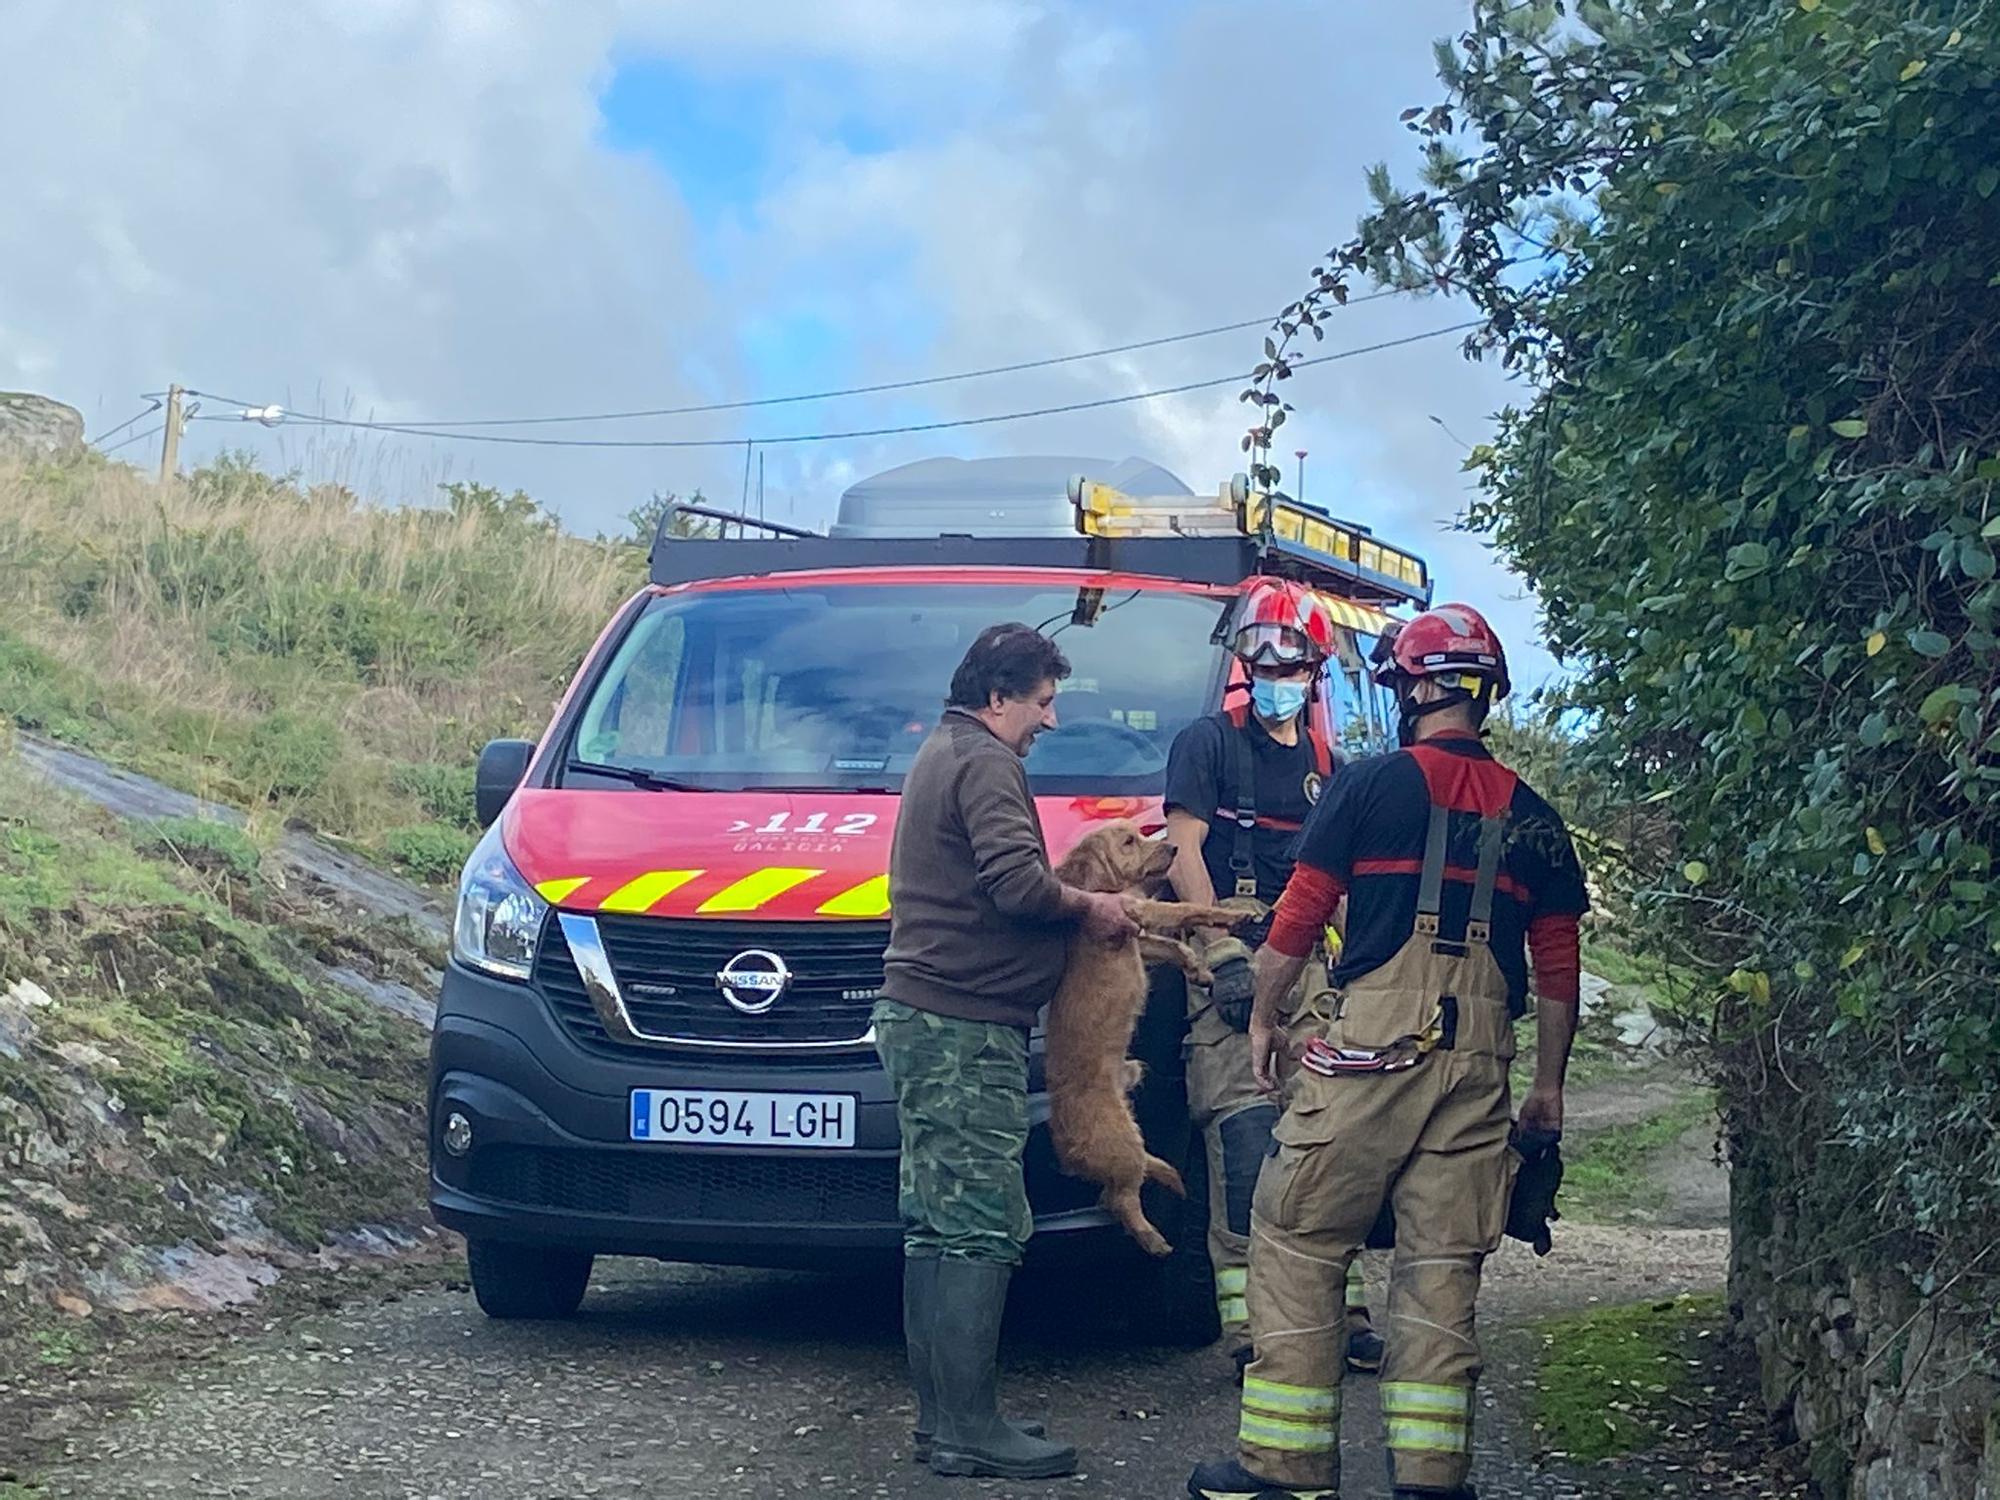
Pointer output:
x,y
1155,1244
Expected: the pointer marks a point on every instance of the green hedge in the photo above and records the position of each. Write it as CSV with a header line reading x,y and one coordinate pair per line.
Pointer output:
x,y
1748,259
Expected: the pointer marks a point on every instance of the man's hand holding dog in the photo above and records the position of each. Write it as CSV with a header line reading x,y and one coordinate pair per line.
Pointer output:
x,y
1102,917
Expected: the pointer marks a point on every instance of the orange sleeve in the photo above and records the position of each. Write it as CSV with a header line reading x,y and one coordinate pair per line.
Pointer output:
x,y
1557,952
1307,905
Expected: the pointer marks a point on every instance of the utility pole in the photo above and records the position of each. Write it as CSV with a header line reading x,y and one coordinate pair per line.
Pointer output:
x,y
170,435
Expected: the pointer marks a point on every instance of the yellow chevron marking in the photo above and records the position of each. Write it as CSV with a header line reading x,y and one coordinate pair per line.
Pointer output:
x,y
553,891
640,894
752,891
868,899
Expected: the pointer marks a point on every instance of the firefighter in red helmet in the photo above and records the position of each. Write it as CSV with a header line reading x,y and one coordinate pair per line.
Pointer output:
x,y
1239,786
1454,872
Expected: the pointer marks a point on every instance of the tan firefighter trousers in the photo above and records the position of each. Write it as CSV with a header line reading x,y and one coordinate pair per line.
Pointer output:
x,y
1235,1119
1430,1138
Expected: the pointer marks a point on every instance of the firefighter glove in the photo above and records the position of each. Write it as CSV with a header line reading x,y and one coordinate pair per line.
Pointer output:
x,y
1254,932
1233,988
1533,1205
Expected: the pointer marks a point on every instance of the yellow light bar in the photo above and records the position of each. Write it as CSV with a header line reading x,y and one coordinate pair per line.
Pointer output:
x,y
1307,528
1238,511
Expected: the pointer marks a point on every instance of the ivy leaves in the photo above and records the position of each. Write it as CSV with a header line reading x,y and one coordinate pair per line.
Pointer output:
x,y
1744,257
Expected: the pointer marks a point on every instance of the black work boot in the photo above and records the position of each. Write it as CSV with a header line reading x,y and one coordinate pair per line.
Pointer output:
x,y
1226,1479
969,1297
1365,1349
919,1300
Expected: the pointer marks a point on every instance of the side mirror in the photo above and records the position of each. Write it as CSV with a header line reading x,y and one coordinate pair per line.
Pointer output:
x,y
502,764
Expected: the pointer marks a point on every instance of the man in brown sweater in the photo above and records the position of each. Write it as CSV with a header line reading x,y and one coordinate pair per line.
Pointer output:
x,y
979,932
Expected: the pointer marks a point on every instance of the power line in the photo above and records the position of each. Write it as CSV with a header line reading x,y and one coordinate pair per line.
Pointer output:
x,y
865,432
137,437
852,390
136,417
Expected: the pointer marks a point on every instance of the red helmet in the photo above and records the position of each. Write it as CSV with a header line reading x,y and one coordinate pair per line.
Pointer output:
x,y
1446,642
1281,623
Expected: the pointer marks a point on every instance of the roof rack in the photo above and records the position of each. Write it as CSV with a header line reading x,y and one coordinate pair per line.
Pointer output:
x,y
1221,541
1329,553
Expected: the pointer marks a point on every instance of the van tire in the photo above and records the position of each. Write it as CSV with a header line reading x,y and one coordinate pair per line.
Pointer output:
x,y
527,1281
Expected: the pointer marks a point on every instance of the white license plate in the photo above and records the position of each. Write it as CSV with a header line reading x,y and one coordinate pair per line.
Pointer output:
x,y
703,1117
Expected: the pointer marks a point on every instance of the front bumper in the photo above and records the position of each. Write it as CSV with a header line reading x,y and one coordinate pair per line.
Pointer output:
x,y
551,1161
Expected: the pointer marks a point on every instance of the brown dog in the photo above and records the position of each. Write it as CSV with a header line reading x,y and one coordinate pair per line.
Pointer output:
x,y
1094,1012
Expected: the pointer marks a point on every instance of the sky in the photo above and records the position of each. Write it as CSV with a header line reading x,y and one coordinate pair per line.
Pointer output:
x,y
414,210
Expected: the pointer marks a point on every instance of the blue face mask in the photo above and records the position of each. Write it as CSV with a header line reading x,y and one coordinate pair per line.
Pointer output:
x,y
1277,701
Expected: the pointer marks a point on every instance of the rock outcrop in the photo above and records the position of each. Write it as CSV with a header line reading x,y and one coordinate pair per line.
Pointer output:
x,y
36,427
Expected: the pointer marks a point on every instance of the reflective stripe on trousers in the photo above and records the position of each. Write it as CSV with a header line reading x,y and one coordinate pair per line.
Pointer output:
x,y
1290,1418
1232,1284
1425,1418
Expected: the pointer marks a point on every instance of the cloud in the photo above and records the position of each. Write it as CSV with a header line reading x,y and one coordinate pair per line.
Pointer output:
x,y
401,206
1142,187
407,209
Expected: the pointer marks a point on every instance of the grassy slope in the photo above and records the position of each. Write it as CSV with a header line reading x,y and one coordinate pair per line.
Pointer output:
x,y
175,1066
293,651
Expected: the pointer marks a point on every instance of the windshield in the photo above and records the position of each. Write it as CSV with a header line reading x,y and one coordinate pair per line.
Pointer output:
x,y
829,686
1364,714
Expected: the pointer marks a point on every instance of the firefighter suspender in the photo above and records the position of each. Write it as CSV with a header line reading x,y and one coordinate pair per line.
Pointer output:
x,y
1243,848
1243,853
1486,879
1479,916
1430,889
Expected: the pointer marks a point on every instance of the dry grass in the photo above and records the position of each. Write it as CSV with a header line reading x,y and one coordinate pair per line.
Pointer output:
x,y
287,646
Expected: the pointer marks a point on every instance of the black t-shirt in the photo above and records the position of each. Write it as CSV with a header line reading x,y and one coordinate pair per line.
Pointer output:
x,y
1202,782
1370,834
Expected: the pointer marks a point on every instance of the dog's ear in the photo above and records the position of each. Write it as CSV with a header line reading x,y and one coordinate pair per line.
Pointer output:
x,y
1133,852
1090,866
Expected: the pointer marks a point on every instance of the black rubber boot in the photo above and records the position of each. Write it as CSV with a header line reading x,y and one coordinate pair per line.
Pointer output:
x,y
1365,1350
969,1298
1226,1479
919,1296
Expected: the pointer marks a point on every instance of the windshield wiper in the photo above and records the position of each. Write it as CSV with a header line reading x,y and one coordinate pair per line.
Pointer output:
x,y
839,788
645,780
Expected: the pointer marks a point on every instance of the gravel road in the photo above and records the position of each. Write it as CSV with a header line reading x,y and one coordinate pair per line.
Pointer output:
x,y
678,1382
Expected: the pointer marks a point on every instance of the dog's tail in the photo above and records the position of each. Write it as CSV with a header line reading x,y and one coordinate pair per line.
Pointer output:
x,y
1158,1171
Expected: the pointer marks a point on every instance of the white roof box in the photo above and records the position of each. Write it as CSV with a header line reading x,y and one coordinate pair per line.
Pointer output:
x,y
987,496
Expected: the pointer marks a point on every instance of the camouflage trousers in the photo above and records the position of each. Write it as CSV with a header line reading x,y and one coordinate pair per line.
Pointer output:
x,y
962,1108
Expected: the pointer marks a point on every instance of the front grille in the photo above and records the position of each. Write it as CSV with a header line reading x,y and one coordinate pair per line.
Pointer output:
x,y
666,970
689,1186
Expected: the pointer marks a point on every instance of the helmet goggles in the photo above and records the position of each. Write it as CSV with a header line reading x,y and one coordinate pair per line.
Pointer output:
x,y
1267,645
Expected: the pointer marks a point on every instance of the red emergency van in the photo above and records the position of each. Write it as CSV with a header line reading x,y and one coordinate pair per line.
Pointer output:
x,y
653,1036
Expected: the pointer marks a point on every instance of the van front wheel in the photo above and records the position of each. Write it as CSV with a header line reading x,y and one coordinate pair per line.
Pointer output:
x,y
527,1281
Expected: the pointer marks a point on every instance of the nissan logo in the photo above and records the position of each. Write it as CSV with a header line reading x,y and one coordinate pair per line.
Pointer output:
x,y
754,981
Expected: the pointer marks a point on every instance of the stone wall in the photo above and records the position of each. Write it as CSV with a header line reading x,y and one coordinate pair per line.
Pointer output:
x,y
1887,1390
37,427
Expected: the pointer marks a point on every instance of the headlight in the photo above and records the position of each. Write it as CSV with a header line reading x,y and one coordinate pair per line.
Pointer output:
x,y
499,914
